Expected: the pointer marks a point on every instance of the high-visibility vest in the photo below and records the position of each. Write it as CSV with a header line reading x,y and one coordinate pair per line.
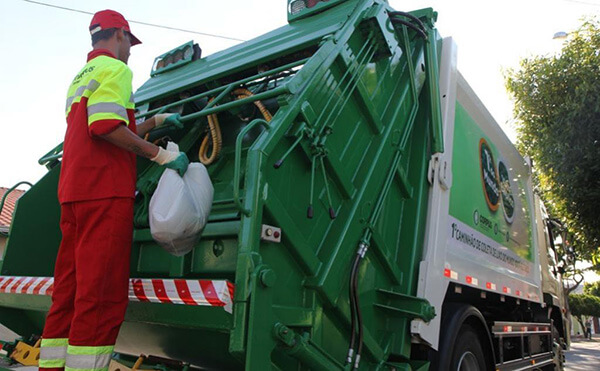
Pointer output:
x,y
106,83
99,100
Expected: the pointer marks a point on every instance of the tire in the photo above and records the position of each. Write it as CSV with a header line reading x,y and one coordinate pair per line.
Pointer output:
x,y
557,348
467,354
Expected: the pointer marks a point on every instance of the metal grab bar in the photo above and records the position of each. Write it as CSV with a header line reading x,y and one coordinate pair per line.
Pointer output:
x,y
54,154
228,86
284,89
238,160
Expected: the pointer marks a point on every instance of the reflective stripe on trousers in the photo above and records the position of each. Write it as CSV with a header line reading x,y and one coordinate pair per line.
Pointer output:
x,y
53,353
88,358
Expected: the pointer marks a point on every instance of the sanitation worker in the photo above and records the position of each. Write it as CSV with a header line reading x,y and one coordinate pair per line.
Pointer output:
x,y
96,192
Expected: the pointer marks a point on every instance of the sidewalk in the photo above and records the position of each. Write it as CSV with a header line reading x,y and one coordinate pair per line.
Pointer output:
x,y
584,354
578,338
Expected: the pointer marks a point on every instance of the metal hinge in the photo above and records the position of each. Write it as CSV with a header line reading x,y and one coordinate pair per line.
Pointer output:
x,y
439,167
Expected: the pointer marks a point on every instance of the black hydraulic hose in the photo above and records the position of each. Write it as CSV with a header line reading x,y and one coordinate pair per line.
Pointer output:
x,y
409,25
358,314
352,297
409,16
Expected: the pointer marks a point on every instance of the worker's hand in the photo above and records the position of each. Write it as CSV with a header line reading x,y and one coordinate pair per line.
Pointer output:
x,y
177,161
168,119
179,164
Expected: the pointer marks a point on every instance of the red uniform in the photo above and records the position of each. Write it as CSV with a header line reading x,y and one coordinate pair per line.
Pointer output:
x,y
93,168
96,191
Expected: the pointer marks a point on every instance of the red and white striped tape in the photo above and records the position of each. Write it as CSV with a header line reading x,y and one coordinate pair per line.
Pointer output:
x,y
216,293
26,285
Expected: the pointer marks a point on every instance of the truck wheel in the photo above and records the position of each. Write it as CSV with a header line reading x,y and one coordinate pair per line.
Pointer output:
x,y
557,348
467,354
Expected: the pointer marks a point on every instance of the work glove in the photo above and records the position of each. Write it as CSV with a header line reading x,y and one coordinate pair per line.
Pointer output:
x,y
168,119
177,161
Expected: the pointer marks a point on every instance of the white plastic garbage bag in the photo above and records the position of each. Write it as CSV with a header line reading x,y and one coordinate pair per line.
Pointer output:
x,y
179,207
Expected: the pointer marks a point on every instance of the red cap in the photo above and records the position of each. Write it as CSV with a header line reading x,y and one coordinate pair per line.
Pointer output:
x,y
106,19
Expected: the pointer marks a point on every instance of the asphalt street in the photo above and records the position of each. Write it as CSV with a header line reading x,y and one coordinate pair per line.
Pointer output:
x,y
584,355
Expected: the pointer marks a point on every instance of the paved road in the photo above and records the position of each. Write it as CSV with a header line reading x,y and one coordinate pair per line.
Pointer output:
x,y
6,334
584,355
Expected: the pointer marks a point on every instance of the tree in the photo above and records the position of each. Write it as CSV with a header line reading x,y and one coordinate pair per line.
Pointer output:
x,y
592,288
584,305
557,111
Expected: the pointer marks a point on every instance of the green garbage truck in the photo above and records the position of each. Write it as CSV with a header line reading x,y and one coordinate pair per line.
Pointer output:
x,y
368,212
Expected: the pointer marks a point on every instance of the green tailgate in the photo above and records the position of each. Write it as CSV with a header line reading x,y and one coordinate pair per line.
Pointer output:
x,y
355,127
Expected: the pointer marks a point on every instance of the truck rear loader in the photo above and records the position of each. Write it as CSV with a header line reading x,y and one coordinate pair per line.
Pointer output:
x,y
368,212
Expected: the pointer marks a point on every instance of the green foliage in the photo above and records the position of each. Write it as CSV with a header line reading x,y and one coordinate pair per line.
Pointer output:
x,y
584,305
557,108
592,288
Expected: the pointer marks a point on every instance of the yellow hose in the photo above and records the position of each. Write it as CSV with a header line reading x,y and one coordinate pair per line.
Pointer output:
x,y
217,141
245,93
215,130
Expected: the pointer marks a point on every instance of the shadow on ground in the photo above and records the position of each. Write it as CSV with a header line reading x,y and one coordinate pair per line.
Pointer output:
x,y
584,355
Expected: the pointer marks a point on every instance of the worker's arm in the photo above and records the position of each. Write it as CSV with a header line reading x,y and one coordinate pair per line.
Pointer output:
x,y
124,138
167,119
145,127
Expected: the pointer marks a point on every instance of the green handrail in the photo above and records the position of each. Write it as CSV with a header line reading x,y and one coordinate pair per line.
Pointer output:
x,y
283,89
431,65
6,195
54,154
238,160
223,87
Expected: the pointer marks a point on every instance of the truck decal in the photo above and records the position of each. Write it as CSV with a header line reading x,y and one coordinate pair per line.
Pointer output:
x,y
469,241
508,201
489,175
484,181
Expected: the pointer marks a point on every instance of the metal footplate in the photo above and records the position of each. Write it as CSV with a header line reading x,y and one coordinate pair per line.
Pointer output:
x,y
522,345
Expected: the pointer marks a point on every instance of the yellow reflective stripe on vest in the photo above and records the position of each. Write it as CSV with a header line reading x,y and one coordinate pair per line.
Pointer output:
x,y
131,103
81,358
115,89
106,83
53,353
106,108
82,91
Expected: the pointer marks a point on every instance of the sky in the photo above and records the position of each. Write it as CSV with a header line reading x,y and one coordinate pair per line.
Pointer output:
x,y
42,48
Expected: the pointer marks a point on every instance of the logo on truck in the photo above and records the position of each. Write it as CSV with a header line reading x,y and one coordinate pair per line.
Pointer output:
x,y
508,201
489,175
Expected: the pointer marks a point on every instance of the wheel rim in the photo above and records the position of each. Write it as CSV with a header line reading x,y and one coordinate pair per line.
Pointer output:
x,y
468,362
